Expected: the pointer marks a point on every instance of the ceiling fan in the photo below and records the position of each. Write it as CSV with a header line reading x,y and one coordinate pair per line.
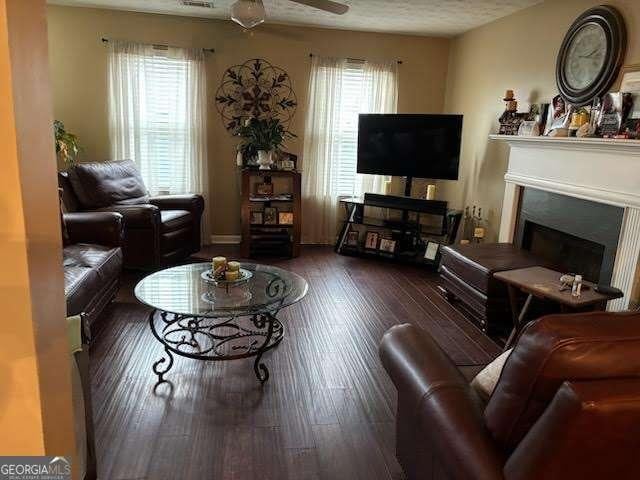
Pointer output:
x,y
250,13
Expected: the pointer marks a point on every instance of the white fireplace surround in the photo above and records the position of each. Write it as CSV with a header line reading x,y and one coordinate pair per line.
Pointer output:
x,y
600,170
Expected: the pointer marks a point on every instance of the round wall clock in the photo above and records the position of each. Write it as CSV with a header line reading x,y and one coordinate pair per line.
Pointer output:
x,y
591,55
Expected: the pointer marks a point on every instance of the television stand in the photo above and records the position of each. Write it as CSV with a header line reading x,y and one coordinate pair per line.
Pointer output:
x,y
408,184
409,234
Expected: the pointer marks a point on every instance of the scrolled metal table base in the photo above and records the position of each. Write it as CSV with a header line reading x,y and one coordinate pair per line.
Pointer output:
x,y
215,339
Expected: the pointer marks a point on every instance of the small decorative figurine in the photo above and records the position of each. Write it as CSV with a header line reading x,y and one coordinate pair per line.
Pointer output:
x,y
577,286
510,120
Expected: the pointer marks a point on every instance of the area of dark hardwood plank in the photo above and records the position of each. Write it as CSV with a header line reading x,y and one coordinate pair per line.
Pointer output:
x,y
327,411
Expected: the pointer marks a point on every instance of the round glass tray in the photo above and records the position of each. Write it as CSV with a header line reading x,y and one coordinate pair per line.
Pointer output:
x,y
208,277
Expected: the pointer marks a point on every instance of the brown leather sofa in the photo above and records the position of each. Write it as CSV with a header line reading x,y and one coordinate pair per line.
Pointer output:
x,y
92,262
566,405
158,231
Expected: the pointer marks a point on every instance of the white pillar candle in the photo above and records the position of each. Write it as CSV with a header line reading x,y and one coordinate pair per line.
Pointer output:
x,y
431,192
231,276
217,262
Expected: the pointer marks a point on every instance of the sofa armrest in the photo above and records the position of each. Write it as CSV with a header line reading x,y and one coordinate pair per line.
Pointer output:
x,y
590,428
441,404
191,202
143,215
102,228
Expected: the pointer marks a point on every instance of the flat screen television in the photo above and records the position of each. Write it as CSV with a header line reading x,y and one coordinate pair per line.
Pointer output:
x,y
410,145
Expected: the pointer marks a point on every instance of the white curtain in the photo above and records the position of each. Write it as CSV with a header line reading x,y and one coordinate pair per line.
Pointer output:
x,y
157,117
339,89
319,207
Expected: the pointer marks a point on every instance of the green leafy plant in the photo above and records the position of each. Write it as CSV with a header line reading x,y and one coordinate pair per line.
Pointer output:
x,y
262,134
67,146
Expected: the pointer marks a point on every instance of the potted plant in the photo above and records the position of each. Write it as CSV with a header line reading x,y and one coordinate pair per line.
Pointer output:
x,y
67,146
260,137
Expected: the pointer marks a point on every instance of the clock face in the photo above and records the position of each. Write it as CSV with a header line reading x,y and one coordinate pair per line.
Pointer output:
x,y
585,56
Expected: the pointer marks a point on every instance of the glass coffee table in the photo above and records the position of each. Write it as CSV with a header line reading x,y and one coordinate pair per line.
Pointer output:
x,y
195,318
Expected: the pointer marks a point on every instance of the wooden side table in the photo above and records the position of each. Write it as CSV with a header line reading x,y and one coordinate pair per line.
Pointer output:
x,y
544,283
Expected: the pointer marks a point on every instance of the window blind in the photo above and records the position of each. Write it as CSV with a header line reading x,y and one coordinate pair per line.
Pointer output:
x,y
351,102
164,127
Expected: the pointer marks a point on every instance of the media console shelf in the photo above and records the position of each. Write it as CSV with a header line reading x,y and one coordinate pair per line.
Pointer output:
x,y
408,232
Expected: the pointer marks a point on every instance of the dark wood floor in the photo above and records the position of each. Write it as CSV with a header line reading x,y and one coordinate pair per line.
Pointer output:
x,y
327,411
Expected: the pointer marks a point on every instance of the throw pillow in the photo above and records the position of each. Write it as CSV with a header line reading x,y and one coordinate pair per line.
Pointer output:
x,y
102,184
485,382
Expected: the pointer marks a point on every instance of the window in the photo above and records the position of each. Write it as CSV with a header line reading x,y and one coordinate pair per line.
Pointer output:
x,y
157,110
351,101
164,129
339,90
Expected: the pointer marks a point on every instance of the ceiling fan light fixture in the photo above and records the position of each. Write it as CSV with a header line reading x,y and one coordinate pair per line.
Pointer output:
x,y
248,13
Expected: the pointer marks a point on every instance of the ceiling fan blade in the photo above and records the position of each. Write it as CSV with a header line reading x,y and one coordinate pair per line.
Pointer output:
x,y
326,5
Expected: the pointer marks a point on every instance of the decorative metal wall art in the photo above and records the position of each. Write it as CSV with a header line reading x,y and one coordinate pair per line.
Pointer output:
x,y
255,89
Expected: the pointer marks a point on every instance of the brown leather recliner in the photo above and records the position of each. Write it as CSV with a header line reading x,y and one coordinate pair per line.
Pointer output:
x,y
159,230
567,404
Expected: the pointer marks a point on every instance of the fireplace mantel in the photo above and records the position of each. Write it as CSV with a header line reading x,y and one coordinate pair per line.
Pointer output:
x,y
631,147
600,170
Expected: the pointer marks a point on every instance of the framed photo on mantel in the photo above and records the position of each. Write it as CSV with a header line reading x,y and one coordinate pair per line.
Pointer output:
x,y
630,83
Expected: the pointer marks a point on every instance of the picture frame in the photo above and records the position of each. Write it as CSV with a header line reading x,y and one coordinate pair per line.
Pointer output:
x,y
630,83
256,217
353,238
285,218
270,216
287,165
558,115
371,240
387,245
287,161
431,251
614,112
264,189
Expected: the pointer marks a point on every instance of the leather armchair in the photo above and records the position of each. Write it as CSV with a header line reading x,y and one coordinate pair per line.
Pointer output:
x,y
158,231
567,404
101,228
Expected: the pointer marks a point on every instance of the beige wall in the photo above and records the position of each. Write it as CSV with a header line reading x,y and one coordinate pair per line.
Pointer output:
x,y
36,416
78,66
517,52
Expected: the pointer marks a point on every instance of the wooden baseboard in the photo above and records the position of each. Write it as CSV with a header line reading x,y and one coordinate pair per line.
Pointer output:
x,y
225,239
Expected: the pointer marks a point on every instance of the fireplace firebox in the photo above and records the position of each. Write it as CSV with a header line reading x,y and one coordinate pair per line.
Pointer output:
x,y
578,236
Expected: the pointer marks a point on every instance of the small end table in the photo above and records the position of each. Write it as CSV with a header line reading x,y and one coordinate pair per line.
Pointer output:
x,y
544,283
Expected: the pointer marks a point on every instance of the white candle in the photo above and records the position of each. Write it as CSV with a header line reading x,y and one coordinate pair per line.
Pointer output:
x,y
431,192
217,262
231,276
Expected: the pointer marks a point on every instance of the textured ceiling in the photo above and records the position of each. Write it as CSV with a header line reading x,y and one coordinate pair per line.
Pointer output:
x,y
419,17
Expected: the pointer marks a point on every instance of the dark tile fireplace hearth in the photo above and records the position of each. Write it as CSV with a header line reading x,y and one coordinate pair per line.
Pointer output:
x,y
577,235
